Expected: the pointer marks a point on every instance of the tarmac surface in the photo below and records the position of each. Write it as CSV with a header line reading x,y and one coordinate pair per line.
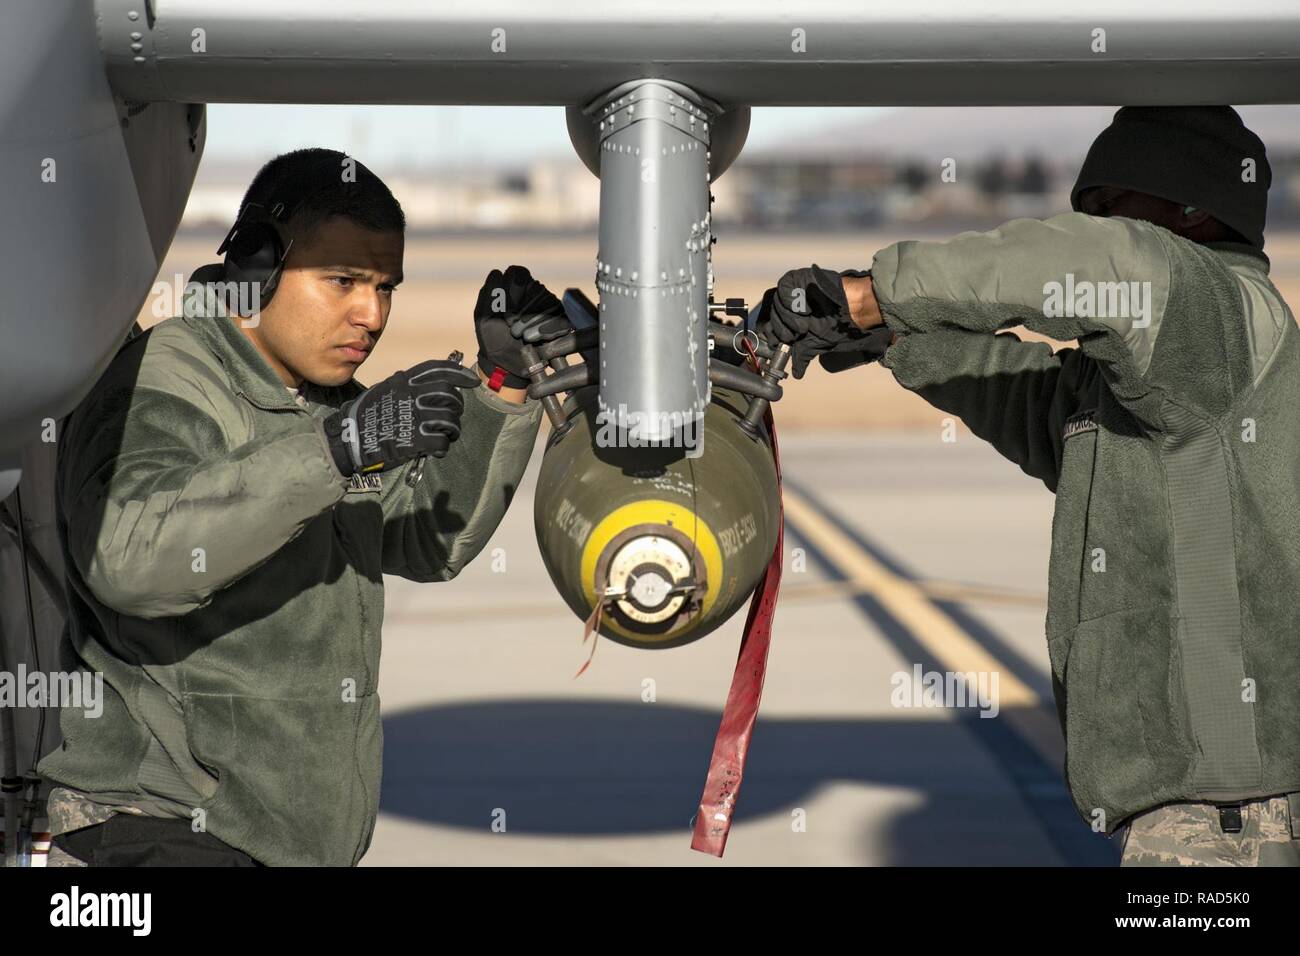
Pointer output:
x,y
902,551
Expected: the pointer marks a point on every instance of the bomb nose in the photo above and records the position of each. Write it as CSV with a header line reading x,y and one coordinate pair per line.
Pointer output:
x,y
653,577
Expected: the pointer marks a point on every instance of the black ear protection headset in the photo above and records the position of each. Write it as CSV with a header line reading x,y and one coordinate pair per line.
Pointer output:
x,y
254,252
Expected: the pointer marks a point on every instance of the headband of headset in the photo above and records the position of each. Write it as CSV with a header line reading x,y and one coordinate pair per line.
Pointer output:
x,y
254,252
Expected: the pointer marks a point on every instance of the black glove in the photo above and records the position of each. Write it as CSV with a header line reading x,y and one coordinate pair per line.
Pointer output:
x,y
513,308
414,412
870,348
809,312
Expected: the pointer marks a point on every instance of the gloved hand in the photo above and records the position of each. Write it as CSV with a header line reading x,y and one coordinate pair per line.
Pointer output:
x,y
854,352
414,412
513,308
809,312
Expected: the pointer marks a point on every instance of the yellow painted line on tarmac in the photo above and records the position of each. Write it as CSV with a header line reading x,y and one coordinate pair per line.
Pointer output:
x,y
948,644
934,589
791,592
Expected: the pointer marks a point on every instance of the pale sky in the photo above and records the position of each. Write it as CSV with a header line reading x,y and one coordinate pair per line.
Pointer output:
x,y
437,135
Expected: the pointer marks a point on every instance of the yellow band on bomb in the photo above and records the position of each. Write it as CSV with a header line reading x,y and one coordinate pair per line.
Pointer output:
x,y
652,511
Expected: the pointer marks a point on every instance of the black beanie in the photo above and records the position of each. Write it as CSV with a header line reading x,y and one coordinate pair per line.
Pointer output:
x,y
1191,155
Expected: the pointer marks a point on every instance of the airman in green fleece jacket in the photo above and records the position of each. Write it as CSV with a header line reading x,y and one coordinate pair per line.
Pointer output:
x,y
1169,435
230,500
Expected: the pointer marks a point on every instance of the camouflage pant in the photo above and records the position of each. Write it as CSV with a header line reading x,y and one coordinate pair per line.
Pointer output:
x,y
58,858
68,811
1189,834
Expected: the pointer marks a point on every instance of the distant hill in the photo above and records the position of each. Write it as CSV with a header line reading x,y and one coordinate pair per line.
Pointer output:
x,y
1057,134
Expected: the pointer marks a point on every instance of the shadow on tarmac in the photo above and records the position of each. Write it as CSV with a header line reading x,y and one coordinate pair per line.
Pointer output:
x,y
606,768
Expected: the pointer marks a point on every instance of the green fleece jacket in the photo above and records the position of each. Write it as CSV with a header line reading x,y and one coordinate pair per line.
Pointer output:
x,y
1170,438
227,581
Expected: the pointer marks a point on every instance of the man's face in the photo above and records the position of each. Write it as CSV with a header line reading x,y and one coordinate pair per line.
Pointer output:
x,y
1114,201
331,304
1196,225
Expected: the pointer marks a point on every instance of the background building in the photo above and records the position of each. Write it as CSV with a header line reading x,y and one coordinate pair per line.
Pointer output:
x,y
881,170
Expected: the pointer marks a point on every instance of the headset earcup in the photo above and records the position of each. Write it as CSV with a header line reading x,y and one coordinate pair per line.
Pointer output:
x,y
252,257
